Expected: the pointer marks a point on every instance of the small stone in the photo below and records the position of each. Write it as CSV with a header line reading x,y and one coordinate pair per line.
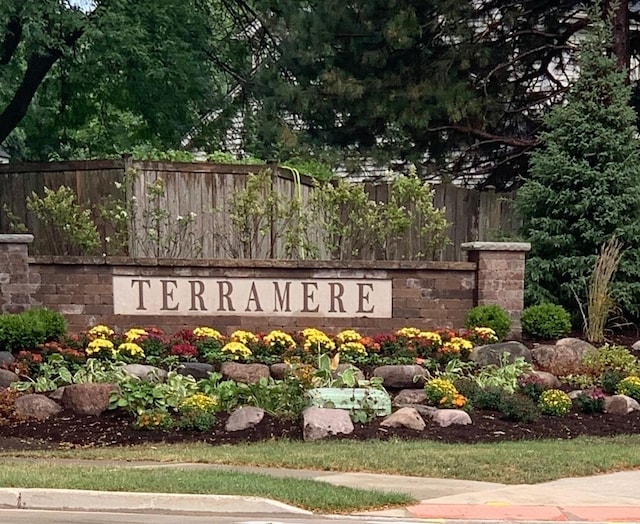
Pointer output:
x,y
319,423
405,418
245,417
410,396
36,406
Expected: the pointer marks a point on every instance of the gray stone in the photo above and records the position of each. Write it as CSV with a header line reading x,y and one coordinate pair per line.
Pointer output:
x,y
319,423
197,370
245,417
6,358
279,371
400,376
549,379
490,354
36,406
144,372
405,418
620,405
636,345
56,394
246,373
410,396
7,377
87,399
447,417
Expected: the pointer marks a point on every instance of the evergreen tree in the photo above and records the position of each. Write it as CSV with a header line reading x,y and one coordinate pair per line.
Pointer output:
x,y
584,185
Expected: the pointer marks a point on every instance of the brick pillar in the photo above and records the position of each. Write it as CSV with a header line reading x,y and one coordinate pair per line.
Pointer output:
x,y
17,284
500,276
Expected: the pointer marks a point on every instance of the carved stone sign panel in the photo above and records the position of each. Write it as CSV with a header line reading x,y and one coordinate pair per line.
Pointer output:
x,y
314,297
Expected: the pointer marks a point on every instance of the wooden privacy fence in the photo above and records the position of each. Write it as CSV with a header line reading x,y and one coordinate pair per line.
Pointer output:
x,y
185,210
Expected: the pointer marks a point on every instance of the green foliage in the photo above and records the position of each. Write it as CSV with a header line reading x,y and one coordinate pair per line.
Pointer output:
x,y
72,227
505,376
610,358
354,226
441,393
52,374
280,398
630,386
518,408
554,402
491,316
197,412
546,321
584,185
591,401
609,380
489,398
532,386
154,419
29,329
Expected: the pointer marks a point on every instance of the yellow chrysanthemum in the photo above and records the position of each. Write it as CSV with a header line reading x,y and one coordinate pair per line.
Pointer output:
x,y
207,332
134,334
408,332
352,347
132,349
280,339
348,335
100,345
100,331
237,349
245,337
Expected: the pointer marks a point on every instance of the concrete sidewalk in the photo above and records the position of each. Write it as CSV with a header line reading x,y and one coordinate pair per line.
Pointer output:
x,y
604,498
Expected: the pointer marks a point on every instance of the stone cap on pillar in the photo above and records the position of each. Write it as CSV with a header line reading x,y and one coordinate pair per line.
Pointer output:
x,y
16,239
496,246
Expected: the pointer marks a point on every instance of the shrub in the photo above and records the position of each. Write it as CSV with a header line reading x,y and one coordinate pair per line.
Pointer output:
x,y
546,321
591,401
489,398
610,379
532,386
554,402
491,316
29,329
443,394
608,357
518,408
197,412
630,386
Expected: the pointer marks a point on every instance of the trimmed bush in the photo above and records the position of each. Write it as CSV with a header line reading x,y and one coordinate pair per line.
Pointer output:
x,y
491,316
546,321
29,329
518,408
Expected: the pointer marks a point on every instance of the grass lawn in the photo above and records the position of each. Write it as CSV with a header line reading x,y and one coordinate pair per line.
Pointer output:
x,y
521,462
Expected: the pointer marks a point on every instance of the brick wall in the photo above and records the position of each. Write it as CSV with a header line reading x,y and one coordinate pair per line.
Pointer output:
x,y
424,294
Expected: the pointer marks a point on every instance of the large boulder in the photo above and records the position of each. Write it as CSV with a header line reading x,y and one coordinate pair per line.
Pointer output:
x,y
7,377
401,376
562,358
548,379
491,354
279,370
36,406
319,423
145,372
410,396
245,373
197,370
245,417
620,405
88,398
405,418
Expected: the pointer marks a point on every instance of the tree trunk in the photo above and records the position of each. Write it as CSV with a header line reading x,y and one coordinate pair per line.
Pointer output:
x,y
617,11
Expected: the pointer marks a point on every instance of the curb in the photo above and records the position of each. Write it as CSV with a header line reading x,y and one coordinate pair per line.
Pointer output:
x,y
117,501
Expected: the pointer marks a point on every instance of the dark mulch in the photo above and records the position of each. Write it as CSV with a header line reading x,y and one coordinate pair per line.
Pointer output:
x,y
114,428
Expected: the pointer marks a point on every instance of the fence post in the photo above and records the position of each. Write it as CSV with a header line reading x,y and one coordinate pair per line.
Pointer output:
x,y
500,276
17,283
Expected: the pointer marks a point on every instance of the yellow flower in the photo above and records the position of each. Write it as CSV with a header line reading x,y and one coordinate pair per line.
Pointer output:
x,y
207,332
134,334
352,347
348,335
199,402
100,345
280,339
245,337
408,332
100,331
132,349
456,345
314,339
237,349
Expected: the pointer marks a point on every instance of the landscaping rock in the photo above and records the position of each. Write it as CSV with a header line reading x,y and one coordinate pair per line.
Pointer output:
x,y
447,417
410,396
245,373
36,406
549,379
197,370
279,370
144,372
7,377
56,394
245,417
490,354
405,418
400,376
620,405
87,399
562,358
636,345
6,358
319,423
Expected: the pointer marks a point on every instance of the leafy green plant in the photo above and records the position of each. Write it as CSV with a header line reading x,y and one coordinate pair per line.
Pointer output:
x,y
532,386
518,408
546,321
52,374
591,401
610,358
609,380
63,219
554,402
154,419
504,376
630,386
489,315
489,398
280,398
31,328
197,412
